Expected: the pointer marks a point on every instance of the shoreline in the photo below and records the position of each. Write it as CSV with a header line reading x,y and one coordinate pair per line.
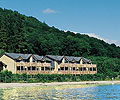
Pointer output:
x,y
14,85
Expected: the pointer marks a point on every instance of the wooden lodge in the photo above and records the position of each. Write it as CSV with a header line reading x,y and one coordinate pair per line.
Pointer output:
x,y
49,64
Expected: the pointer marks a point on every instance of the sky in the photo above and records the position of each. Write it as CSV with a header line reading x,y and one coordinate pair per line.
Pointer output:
x,y
96,18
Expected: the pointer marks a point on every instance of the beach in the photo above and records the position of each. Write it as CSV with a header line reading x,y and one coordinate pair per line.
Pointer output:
x,y
14,85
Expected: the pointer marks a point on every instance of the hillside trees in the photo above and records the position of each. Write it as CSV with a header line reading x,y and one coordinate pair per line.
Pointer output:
x,y
22,34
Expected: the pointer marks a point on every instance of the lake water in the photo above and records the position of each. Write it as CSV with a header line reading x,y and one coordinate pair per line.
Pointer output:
x,y
65,92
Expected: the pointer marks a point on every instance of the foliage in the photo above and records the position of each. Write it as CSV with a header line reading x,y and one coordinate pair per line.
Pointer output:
x,y
22,34
8,77
107,66
19,33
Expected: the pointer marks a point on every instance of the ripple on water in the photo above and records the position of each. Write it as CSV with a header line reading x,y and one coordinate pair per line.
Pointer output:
x,y
64,92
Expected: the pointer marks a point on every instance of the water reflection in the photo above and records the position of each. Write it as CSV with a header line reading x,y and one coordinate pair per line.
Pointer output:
x,y
65,92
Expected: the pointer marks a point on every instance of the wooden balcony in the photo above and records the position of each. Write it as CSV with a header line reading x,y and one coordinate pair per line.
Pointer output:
x,y
57,72
76,65
36,72
28,64
77,72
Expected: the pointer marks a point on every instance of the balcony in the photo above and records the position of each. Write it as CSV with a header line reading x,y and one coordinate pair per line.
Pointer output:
x,y
57,72
77,72
27,64
77,65
36,72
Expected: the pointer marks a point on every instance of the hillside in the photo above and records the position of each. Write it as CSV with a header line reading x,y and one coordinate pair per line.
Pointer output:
x,y
19,33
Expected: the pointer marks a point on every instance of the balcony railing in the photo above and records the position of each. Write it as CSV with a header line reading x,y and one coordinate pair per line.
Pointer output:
x,y
57,72
77,65
27,64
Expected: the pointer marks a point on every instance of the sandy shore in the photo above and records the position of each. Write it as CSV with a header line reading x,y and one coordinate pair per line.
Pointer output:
x,y
13,85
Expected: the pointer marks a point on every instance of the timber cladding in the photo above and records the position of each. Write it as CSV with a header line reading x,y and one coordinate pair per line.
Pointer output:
x,y
49,64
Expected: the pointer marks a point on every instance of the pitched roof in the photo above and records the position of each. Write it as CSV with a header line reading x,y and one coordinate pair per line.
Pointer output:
x,y
55,57
86,60
47,59
70,58
38,57
16,55
26,56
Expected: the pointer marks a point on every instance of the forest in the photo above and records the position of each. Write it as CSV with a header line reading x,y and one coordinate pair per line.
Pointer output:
x,y
26,34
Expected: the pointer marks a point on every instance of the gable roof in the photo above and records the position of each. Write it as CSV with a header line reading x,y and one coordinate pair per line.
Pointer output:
x,y
71,58
77,59
86,60
16,55
50,58
38,57
42,57
55,57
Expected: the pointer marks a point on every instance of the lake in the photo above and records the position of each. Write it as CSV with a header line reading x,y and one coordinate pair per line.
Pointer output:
x,y
64,92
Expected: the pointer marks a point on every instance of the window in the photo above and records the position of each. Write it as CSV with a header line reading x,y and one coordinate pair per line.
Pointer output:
x,y
29,68
80,69
22,68
33,68
47,68
84,69
42,68
18,67
73,68
90,69
94,69
66,68
61,68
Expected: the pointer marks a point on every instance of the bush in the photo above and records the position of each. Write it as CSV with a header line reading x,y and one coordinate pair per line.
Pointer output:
x,y
7,77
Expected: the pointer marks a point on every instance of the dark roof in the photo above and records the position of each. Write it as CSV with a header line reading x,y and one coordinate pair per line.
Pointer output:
x,y
86,60
53,57
71,58
47,57
38,57
16,55
42,57
26,56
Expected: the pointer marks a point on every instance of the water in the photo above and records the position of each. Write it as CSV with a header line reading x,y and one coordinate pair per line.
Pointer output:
x,y
65,92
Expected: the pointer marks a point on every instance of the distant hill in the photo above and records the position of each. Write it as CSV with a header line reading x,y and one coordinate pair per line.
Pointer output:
x,y
19,33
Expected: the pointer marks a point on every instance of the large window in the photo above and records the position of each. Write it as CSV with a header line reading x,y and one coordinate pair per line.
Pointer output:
x,y
80,69
90,69
66,68
61,68
29,68
22,68
94,69
42,68
47,68
18,67
74,68
33,68
84,68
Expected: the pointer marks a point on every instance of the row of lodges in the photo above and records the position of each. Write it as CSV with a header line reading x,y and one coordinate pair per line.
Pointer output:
x,y
49,64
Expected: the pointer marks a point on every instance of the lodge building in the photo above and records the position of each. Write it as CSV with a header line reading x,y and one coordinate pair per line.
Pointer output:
x,y
49,64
